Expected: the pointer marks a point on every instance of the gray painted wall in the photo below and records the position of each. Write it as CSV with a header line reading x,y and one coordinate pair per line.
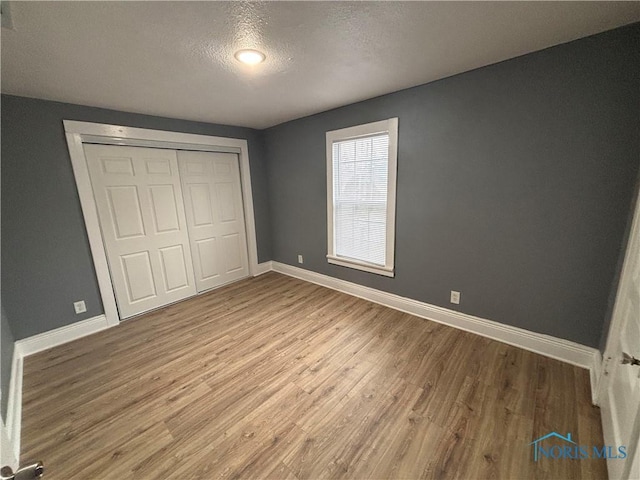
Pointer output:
x,y
46,261
618,273
514,185
6,356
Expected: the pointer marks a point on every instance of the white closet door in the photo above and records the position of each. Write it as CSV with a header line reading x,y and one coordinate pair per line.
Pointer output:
x,y
215,217
139,201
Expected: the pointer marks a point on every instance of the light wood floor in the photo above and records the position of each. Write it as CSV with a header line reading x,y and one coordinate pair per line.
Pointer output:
x,y
277,378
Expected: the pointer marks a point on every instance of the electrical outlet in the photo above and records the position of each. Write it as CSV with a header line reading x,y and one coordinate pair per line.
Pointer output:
x,y
455,297
300,259
79,307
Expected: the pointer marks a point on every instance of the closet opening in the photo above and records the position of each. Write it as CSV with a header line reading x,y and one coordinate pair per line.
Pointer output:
x,y
168,215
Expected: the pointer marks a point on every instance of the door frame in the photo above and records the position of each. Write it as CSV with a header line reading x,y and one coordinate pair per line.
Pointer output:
x,y
77,133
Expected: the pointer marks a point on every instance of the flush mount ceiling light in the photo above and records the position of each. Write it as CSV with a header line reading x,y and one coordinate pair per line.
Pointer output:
x,y
250,57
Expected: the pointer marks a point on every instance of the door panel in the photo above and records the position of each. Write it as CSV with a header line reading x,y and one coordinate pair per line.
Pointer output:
x,y
232,251
215,217
138,276
173,268
158,167
207,258
117,166
140,206
201,205
163,201
226,207
124,207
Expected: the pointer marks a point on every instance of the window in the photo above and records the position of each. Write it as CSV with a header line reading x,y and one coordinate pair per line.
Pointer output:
x,y
361,196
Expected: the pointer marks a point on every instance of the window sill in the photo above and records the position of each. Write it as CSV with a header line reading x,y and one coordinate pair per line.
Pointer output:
x,y
365,267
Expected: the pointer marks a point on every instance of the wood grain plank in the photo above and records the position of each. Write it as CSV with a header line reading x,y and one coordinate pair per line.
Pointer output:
x,y
277,378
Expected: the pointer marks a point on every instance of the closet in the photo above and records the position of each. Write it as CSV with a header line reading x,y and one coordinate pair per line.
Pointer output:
x,y
172,222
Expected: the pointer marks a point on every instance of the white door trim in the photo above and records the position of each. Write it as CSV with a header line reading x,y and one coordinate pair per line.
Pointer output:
x,y
79,132
13,425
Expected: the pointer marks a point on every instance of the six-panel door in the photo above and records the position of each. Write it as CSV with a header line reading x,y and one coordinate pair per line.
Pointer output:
x,y
140,206
215,217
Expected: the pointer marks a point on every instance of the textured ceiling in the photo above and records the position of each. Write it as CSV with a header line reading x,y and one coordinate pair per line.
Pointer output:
x,y
175,59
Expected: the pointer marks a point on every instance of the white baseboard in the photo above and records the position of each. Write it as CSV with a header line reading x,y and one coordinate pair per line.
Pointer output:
x,y
53,338
263,268
559,349
14,403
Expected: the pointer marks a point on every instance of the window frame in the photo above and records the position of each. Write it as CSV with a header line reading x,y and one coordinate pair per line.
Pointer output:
x,y
389,126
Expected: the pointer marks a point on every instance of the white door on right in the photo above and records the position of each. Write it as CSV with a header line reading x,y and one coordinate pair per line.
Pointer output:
x,y
215,217
620,390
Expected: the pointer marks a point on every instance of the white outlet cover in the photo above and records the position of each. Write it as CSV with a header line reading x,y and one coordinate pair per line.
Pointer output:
x,y
80,307
455,297
300,259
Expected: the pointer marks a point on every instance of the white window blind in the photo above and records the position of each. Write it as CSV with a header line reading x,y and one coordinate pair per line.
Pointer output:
x,y
360,177
361,196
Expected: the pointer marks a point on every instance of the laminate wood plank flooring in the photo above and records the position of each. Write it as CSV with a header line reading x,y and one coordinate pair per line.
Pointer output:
x,y
273,377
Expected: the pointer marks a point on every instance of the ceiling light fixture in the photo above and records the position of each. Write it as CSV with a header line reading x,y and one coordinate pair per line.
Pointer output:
x,y
250,57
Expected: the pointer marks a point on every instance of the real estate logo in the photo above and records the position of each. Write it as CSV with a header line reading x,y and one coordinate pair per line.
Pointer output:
x,y
564,447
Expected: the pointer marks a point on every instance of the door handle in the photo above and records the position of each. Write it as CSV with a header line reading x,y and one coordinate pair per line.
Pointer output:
x,y
25,473
629,360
